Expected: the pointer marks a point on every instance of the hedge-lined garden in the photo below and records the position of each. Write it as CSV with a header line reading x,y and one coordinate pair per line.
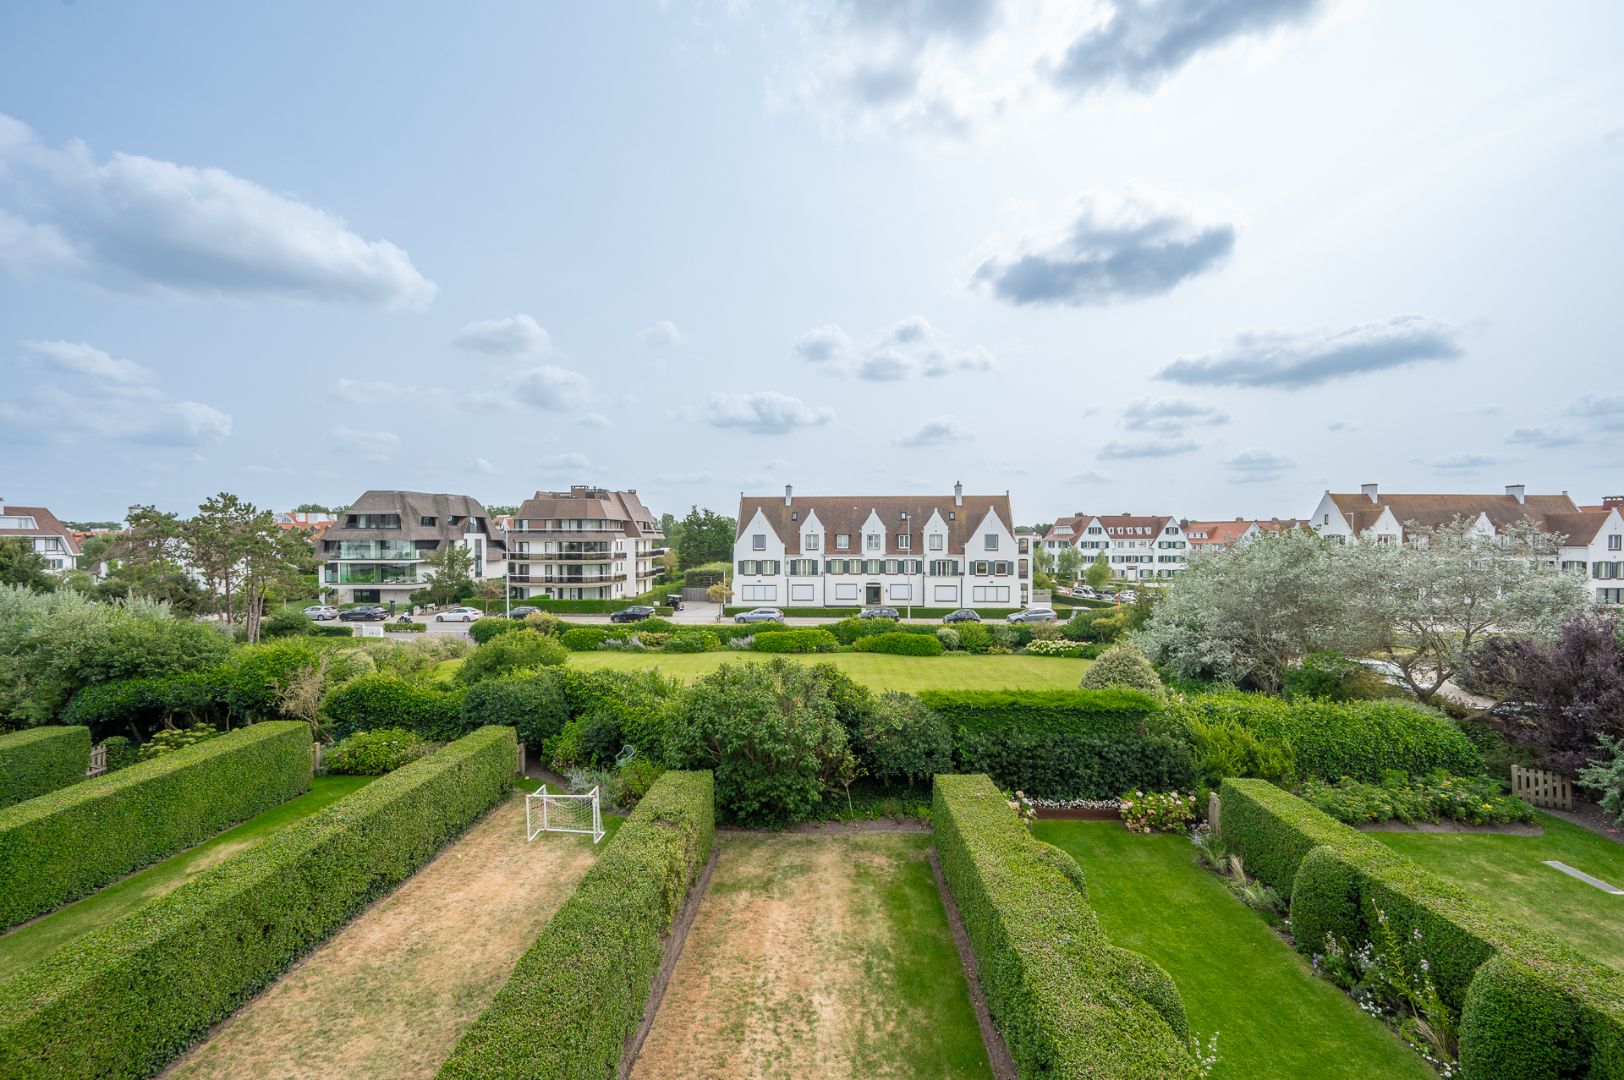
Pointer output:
x,y
1067,1001
127,998
62,845
579,991
1527,1005
40,760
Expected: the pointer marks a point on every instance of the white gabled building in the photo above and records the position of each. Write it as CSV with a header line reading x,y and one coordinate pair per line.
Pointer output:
x,y
50,539
891,550
1594,535
1139,548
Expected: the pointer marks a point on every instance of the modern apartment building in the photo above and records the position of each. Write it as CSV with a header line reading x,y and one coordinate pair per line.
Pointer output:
x,y
377,551
52,541
587,543
1593,543
1137,547
893,550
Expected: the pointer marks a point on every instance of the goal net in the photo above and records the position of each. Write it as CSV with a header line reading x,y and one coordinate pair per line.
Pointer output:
x,y
547,812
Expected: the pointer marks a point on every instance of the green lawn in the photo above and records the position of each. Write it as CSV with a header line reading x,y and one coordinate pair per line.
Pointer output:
x,y
33,940
956,671
1507,872
1276,1020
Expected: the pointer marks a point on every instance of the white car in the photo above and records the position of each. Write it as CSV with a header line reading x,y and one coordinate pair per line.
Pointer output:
x,y
321,612
459,614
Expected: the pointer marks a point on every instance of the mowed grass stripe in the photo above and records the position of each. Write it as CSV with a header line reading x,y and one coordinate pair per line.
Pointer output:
x,y
956,671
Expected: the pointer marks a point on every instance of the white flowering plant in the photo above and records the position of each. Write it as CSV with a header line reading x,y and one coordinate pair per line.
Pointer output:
x,y
1153,811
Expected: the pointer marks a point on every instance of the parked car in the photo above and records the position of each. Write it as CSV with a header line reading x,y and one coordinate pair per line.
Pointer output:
x,y
364,613
635,613
1032,614
1126,596
1083,592
459,614
964,614
521,611
760,614
321,612
879,613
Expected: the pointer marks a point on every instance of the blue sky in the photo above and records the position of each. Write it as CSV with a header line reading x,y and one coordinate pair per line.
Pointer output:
x,y
1182,256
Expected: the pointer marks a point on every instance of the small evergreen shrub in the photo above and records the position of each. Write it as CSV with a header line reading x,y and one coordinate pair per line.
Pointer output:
x,y
895,644
900,740
482,630
286,624
584,638
1605,777
949,638
1122,665
380,701
1330,676
1064,649
532,704
808,640
41,760
1158,811
120,752
1473,800
509,653
692,641
373,753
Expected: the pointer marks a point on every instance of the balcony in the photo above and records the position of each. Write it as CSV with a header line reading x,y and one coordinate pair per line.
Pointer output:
x,y
563,556
370,574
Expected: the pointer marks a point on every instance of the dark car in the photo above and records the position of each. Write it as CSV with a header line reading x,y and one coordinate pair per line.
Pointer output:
x,y
1032,614
635,613
880,613
521,612
364,613
964,614
760,614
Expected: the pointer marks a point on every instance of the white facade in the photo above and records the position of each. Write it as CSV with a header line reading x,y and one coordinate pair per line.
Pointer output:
x,y
1138,548
587,543
50,539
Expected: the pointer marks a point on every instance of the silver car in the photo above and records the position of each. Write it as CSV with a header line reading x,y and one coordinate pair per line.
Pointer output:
x,y
459,614
321,612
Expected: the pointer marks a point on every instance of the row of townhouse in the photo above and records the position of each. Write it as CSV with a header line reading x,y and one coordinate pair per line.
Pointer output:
x,y
891,550
1592,536
1150,547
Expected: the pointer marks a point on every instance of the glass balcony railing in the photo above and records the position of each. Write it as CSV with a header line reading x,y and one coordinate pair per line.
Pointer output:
x,y
374,549
371,574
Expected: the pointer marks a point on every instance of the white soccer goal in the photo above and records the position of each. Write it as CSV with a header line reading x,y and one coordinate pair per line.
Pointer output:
x,y
547,812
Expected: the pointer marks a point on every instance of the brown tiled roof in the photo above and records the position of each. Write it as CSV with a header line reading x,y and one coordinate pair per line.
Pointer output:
x,y
1155,523
1276,525
1579,528
1502,511
1217,532
412,506
590,503
847,513
45,524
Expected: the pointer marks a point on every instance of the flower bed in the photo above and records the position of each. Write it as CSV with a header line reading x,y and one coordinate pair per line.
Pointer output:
x,y
1472,800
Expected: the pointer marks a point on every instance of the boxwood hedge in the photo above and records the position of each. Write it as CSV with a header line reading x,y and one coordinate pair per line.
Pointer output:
x,y
1093,712
579,991
41,759
901,643
375,701
60,846
1068,1002
1530,1005
797,640
128,997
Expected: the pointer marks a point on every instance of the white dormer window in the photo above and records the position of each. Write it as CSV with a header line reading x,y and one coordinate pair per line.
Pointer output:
x,y
992,541
904,541
810,542
758,542
842,541
937,541
872,541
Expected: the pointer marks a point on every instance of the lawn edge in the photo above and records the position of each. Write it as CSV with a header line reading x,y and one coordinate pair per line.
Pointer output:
x,y
668,965
999,1059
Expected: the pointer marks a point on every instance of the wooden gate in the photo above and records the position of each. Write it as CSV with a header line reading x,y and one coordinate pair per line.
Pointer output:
x,y
1542,788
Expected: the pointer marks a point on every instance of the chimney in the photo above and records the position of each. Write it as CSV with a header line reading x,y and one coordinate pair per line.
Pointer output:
x,y
1517,491
789,495
1612,502
958,494
1369,491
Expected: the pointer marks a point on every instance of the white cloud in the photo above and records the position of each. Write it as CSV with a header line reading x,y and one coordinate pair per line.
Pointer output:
x,y
1088,476
824,344
516,335
1605,411
1171,415
481,466
551,387
903,350
1146,448
366,445
1463,462
942,429
1257,466
138,223
374,391
662,335
765,412
1546,438
592,420
1292,361
88,360
566,462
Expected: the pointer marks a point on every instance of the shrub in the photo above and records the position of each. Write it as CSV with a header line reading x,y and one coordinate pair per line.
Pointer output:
x,y
584,638
286,624
533,705
594,962
510,653
170,969
405,628
380,701
41,759
849,630
770,734
1104,711
692,641
1475,800
138,707
1122,665
1224,748
1076,764
172,739
809,640
120,752
373,753
543,622
899,644
1152,811
60,846
949,637
638,700
482,630
899,739
1067,1001
1606,779
634,779
974,638
1062,648
1331,677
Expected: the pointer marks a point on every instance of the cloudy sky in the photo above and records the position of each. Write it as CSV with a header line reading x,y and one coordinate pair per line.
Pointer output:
x,y
1200,257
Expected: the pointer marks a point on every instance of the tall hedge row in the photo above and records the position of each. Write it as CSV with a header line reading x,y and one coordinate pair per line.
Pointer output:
x,y
1530,1006
128,997
375,701
1091,712
579,991
1068,1002
63,845
41,759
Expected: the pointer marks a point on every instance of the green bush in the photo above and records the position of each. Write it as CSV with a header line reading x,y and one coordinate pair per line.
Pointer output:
x,y
899,739
405,628
482,630
809,640
533,705
1068,1002
138,707
171,739
1475,800
900,644
692,641
1067,650
1605,776
41,759
510,653
1091,711
579,991
60,846
1330,676
1544,1007
770,733
120,752
125,999
380,701
1223,748
974,638
373,753
285,624
1075,764
949,637
847,631
584,638
639,701
1122,665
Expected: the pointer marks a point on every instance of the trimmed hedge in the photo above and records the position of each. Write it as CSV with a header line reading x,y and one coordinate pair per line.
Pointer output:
x,y
483,629
1068,1002
1530,1005
60,846
41,759
579,990
1043,711
809,640
380,701
585,638
1075,765
130,996
896,643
